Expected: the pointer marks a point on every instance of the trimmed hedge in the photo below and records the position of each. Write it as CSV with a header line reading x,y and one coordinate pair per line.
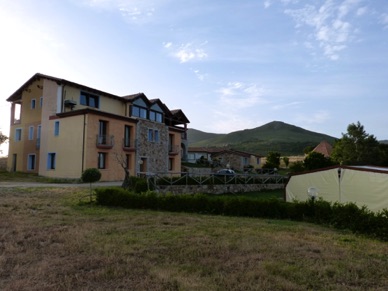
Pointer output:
x,y
341,216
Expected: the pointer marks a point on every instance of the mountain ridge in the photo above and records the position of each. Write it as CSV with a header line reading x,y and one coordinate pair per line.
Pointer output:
x,y
274,136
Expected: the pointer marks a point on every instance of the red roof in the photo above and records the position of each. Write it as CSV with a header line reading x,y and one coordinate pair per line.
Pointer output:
x,y
324,148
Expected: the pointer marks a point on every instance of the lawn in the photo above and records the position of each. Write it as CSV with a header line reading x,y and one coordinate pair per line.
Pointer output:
x,y
50,240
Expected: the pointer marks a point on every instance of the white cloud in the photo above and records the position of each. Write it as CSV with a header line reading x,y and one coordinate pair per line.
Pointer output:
x,y
267,4
187,52
318,117
237,95
331,24
135,11
384,19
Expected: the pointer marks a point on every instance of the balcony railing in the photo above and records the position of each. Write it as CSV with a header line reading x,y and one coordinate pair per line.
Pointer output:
x,y
173,149
129,145
105,141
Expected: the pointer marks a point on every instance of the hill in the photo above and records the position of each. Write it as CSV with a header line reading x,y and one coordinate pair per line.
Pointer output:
x,y
274,136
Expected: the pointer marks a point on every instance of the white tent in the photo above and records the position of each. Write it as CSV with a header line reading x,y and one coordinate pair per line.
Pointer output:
x,y
362,185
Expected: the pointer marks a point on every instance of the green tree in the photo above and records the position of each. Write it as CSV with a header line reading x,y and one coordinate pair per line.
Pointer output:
x,y
286,161
3,138
273,160
356,147
297,167
91,175
316,160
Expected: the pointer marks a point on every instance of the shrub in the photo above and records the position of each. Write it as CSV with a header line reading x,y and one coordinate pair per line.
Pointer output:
x,y
342,216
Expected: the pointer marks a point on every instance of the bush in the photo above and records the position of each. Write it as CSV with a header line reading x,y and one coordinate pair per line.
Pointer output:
x,y
91,175
341,216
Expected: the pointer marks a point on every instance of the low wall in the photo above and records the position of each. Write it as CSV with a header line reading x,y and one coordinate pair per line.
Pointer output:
x,y
217,189
3,163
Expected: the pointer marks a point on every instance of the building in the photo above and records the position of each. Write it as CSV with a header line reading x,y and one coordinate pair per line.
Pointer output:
x,y
60,128
324,148
225,158
362,185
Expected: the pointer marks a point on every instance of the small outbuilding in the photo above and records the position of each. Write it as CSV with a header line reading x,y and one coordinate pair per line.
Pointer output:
x,y
362,185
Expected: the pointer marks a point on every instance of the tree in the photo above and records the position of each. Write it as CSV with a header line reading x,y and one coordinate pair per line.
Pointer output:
x,y
286,161
316,160
356,147
91,175
3,138
273,160
123,162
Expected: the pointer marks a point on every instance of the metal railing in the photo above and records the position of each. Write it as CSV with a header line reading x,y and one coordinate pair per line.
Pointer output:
x,y
186,179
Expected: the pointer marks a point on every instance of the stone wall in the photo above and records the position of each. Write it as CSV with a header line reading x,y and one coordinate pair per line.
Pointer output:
x,y
217,189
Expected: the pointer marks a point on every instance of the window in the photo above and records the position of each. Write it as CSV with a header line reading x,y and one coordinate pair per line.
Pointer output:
x,y
128,161
150,135
102,132
156,116
89,100
127,136
139,111
18,134
31,133
153,135
170,164
56,128
101,163
33,103
51,161
41,102
31,162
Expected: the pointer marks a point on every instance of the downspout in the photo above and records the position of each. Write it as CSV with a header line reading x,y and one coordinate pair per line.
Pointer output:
x,y
83,145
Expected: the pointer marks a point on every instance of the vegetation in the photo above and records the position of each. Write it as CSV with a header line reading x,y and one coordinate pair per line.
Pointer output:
x,y
275,136
91,175
3,138
273,160
344,216
51,241
356,147
315,160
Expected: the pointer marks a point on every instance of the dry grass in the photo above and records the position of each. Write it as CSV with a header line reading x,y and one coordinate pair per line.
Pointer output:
x,y
50,241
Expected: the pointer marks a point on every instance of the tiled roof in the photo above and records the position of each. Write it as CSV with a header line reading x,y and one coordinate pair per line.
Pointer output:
x,y
324,148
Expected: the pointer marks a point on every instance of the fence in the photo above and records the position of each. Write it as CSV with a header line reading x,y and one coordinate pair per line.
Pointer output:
x,y
186,183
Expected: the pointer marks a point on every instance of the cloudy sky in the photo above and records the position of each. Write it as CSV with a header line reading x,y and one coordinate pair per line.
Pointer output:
x,y
229,65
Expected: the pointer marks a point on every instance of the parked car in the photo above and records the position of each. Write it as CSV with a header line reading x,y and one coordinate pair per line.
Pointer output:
x,y
225,172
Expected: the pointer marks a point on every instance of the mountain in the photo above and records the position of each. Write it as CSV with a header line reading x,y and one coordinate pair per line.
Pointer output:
x,y
274,136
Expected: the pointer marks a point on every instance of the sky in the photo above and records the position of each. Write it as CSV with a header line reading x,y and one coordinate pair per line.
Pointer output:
x,y
229,65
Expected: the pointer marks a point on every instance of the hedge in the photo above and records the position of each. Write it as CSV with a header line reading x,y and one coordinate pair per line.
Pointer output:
x,y
341,216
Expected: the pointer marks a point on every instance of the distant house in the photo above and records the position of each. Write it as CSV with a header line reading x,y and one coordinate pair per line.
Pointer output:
x,y
225,158
324,148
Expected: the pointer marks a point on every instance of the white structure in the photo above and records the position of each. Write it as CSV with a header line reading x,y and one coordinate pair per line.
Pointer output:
x,y
362,185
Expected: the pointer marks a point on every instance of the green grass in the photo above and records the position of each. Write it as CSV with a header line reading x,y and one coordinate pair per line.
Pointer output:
x,y
262,195
49,240
6,176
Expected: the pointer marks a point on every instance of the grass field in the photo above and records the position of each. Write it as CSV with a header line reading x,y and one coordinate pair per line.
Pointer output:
x,y
49,240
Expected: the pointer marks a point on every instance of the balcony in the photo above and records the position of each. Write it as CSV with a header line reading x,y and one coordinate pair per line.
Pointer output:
x,y
173,149
105,141
129,145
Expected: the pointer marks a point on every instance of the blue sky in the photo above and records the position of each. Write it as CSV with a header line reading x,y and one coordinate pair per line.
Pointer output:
x,y
229,65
